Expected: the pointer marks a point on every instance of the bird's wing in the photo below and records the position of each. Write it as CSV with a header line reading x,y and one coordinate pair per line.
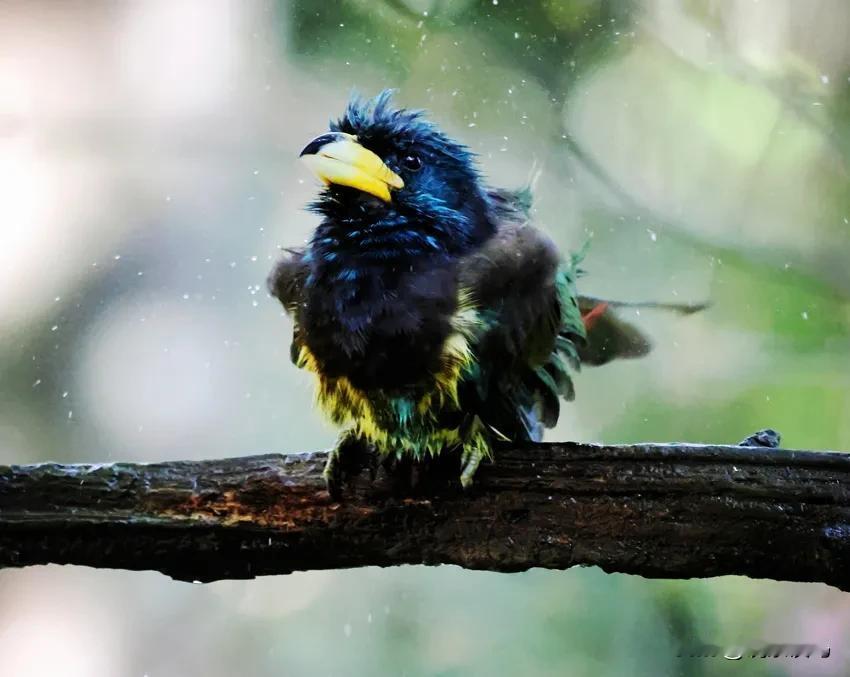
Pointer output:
x,y
286,283
531,330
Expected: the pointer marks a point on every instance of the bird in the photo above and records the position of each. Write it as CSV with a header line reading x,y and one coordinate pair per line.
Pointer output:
x,y
436,317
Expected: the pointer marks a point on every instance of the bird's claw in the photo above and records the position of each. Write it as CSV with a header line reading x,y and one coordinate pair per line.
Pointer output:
x,y
332,474
346,462
474,450
470,459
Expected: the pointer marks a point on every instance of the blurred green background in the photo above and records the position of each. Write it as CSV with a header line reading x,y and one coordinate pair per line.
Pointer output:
x,y
148,176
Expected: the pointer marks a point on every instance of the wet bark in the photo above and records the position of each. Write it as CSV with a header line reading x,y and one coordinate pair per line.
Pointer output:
x,y
671,511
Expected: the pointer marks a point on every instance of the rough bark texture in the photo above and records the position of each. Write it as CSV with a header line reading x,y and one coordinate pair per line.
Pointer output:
x,y
672,511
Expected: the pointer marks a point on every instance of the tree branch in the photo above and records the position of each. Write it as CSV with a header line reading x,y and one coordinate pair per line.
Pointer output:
x,y
657,510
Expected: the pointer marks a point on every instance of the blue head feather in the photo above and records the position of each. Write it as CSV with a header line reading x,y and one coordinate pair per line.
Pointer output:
x,y
442,211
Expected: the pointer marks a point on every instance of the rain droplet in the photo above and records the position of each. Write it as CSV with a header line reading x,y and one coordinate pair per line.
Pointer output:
x,y
347,629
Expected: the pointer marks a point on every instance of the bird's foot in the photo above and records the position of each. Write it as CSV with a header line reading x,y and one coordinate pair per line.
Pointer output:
x,y
470,462
473,451
346,462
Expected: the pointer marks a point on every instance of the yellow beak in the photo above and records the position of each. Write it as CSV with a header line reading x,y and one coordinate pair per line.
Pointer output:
x,y
338,158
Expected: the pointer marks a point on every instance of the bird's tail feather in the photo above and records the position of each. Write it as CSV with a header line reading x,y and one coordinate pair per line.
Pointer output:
x,y
609,337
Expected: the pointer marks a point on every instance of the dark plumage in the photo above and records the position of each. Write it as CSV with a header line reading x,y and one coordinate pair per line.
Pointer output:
x,y
434,315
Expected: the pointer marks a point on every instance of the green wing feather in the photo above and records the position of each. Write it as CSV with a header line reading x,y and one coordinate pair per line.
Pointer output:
x,y
532,328
537,330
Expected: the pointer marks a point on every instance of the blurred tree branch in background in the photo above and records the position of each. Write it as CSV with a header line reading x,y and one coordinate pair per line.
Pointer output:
x,y
657,510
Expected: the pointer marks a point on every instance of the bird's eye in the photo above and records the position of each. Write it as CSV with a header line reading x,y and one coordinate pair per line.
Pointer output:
x,y
412,162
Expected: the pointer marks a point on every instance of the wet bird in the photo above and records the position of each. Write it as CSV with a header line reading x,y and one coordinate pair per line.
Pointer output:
x,y
434,315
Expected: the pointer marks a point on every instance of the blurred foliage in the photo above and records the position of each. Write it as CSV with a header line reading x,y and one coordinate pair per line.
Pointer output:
x,y
703,146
